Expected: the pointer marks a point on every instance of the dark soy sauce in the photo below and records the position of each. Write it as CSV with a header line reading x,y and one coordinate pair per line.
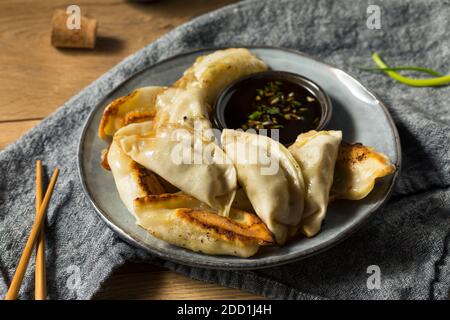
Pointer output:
x,y
272,104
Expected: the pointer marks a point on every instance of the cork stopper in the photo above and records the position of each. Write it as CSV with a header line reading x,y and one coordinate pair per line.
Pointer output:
x,y
64,37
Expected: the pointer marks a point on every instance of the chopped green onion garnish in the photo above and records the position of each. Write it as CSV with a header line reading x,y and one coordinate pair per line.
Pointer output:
x,y
255,115
273,110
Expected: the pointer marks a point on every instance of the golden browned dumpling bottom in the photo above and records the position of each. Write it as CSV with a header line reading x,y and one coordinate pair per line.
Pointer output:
x,y
138,106
184,221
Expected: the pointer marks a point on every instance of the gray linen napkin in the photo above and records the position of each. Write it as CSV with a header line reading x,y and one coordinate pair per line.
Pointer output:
x,y
408,240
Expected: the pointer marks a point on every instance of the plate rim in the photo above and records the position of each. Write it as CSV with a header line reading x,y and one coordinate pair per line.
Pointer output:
x,y
136,242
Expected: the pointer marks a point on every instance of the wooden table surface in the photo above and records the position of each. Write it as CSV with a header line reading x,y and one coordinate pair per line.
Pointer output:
x,y
36,79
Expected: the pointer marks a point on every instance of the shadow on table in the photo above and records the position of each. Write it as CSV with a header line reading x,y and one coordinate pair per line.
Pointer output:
x,y
105,45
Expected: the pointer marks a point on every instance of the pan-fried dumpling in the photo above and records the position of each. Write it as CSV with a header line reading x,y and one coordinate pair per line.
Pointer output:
x,y
316,153
271,178
196,166
132,180
213,72
138,106
141,128
184,221
357,168
182,106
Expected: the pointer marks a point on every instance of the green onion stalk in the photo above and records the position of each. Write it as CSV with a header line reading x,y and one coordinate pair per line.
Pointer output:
x,y
439,80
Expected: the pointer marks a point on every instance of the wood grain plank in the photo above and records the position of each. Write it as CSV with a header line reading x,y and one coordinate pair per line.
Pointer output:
x,y
37,78
151,282
11,131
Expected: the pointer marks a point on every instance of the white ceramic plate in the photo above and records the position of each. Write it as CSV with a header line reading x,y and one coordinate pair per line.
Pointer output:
x,y
356,111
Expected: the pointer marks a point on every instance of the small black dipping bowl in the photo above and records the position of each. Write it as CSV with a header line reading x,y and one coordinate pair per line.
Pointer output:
x,y
237,101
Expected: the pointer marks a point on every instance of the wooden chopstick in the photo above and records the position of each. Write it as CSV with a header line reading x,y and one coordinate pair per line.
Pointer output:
x,y
40,286
14,288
